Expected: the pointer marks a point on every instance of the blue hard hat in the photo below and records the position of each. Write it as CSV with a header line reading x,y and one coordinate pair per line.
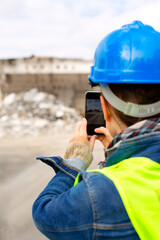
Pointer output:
x,y
128,55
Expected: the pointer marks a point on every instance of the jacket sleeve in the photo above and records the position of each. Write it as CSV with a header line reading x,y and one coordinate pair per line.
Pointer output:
x,y
62,211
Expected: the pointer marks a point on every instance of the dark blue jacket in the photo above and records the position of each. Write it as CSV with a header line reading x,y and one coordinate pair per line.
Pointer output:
x,y
93,208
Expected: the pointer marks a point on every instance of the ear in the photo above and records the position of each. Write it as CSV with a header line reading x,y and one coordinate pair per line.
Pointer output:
x,y
105,109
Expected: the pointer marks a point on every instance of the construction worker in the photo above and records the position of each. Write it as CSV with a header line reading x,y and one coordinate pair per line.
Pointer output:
x,y
122,199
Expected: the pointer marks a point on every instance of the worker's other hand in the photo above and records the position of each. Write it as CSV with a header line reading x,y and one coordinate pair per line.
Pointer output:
x,y
80,135
106,139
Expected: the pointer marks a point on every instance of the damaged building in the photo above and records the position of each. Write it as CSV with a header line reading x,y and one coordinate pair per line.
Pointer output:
x,y
67,79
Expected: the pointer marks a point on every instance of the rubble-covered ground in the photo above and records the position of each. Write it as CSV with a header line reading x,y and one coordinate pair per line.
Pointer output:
x,y
34,113
32,117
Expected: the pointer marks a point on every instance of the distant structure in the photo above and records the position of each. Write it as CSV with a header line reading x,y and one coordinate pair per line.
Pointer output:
x,y
65,78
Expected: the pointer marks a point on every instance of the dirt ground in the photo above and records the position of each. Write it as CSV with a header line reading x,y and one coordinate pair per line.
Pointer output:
x,y
22,178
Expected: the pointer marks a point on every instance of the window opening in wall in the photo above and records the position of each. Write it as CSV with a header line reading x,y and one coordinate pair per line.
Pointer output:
x,y
12,61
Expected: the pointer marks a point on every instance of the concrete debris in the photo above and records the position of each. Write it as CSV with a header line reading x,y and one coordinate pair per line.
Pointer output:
x,y
34,113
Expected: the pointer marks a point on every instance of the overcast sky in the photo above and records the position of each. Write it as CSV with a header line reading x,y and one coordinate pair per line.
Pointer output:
x,y
66,28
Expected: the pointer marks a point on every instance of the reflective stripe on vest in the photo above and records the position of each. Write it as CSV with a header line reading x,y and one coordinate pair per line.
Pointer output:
x,y
138,183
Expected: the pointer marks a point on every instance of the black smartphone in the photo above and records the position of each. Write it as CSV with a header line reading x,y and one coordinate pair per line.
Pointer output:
x,y
93,112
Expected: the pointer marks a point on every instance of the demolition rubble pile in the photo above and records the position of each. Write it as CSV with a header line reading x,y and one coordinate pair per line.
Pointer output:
x,y
34,113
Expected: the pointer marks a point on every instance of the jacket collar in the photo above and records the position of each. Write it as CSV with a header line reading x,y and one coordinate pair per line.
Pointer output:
x,y
139,129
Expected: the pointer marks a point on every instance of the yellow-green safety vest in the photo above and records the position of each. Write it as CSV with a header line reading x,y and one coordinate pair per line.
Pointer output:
x,y
138,183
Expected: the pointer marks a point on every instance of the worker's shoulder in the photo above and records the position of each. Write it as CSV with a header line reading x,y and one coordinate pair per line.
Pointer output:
x,y
97,180
103,192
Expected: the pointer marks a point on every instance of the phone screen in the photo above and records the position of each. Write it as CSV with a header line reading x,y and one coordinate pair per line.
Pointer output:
x,y
93,112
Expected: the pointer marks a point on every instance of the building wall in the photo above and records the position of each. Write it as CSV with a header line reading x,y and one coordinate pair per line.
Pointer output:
x,y
65,78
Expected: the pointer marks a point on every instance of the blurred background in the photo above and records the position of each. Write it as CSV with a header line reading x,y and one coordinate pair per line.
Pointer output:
x,y
46,51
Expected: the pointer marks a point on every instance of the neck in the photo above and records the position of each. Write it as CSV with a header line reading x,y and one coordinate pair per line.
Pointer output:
x,y
117,126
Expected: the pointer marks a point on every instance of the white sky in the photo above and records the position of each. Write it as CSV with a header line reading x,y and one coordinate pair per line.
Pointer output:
x,y
67,28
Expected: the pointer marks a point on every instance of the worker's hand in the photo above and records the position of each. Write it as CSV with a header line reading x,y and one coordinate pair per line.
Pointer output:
x,y
80,135
106,139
